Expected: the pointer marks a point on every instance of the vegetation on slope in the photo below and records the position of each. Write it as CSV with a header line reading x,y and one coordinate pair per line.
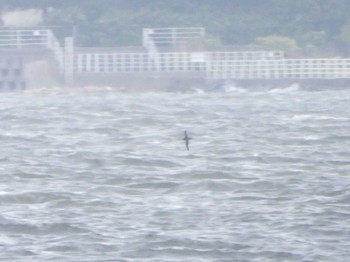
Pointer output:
x,y
308,26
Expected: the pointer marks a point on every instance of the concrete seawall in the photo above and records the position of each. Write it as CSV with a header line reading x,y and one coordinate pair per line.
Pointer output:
x,y
176,82
22,69
34,58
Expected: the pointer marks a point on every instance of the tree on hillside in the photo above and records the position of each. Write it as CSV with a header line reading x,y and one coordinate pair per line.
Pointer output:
x,y
311,23
275,43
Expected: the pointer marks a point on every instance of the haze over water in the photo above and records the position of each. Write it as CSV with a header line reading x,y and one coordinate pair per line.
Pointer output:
x,y
105,176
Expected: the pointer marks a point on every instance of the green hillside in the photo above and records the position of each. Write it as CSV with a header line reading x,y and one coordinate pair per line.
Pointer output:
x,y
308,26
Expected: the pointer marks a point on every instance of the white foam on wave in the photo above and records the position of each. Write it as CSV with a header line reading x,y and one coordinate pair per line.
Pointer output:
x,y
67,90
291,89
232,88
199,91
312,138
6,241
308,117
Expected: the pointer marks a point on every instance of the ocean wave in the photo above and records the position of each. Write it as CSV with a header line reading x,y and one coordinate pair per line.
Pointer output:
x,y
106,176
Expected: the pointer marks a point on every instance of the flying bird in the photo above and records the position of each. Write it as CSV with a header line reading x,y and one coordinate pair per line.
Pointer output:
x,y
187,140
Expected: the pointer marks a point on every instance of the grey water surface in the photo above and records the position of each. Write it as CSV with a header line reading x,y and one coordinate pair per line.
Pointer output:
x,y
105,176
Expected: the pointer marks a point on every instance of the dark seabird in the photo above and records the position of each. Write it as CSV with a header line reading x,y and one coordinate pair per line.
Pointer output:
x,y
187,140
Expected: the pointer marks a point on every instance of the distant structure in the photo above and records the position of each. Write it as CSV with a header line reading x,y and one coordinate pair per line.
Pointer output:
x,y
30,57
157,39
34,57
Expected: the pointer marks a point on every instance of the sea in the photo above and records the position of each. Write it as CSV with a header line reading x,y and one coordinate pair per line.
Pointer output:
x,y
106,176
